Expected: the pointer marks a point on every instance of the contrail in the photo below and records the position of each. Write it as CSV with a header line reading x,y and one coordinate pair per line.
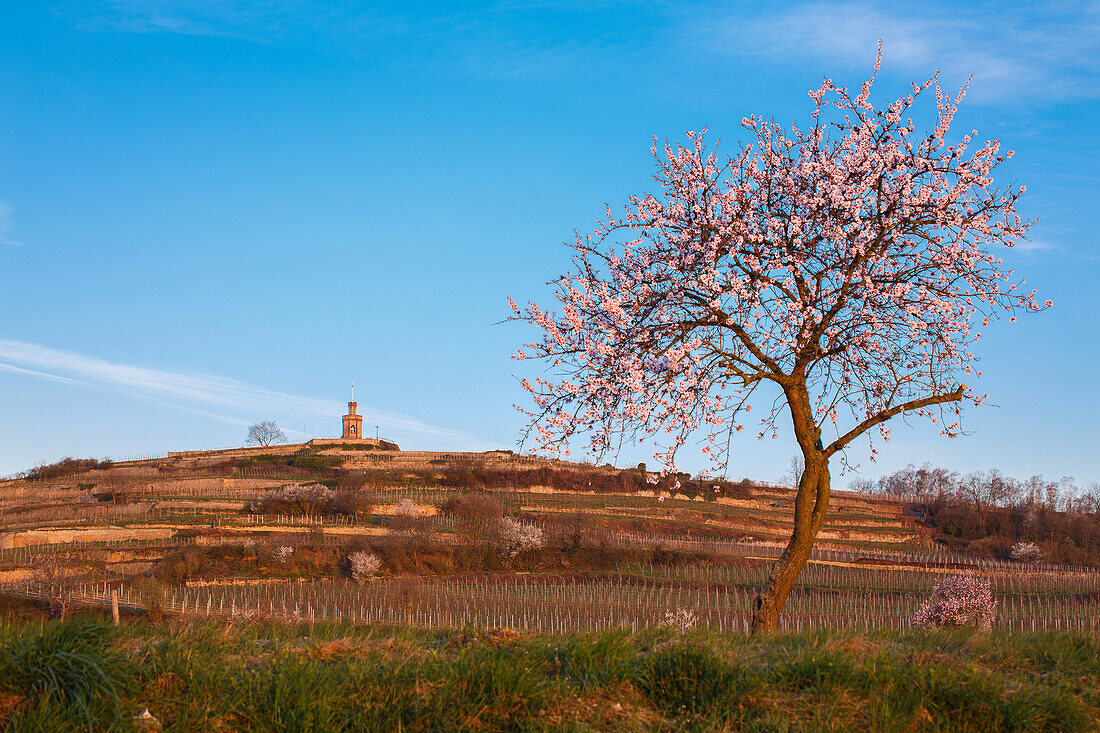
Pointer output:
x,y
186,391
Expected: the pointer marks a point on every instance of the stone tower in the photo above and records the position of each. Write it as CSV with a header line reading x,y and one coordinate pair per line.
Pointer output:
x,y
353,424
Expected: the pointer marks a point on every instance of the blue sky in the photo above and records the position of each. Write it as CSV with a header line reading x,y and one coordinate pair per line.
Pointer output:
x,y
214,213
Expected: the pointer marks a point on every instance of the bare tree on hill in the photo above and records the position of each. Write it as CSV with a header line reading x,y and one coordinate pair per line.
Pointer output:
x,y
797,467
265,433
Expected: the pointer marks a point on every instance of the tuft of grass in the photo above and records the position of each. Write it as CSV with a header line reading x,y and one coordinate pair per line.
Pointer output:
x,y
64,668
591,663
292,693
818,673
694,682
490,689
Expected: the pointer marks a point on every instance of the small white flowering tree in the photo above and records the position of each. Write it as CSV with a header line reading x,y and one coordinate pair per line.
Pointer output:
x,y
1027,552
960,600
517,536
411,519
295,499
363,565
681,619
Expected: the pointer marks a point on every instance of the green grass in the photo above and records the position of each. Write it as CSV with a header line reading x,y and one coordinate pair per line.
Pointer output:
x,y
82,675
64,672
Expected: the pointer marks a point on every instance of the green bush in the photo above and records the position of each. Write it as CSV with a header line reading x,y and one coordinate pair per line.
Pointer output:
x,y
315,463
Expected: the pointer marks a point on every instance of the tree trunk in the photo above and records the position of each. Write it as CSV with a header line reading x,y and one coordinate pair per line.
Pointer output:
x,y
811,505
811,502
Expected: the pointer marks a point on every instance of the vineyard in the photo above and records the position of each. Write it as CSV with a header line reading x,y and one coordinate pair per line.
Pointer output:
x,y
715,597
191,536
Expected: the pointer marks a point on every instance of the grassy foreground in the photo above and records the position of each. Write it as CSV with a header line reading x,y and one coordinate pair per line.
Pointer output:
x,y
84,675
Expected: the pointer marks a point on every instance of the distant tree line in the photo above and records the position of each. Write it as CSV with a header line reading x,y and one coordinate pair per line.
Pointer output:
x,y
67,466
987,512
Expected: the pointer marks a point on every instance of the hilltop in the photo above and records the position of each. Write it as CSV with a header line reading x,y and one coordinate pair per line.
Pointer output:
x,y
161,498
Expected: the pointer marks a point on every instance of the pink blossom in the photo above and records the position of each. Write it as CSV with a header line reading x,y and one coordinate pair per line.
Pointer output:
x,y
960,600
852,257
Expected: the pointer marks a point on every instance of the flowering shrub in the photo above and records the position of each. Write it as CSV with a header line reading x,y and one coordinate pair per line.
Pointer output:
x,y
1027,552
282,554
407,508
315,493
517,536
681,619
363,565
960,600
295,499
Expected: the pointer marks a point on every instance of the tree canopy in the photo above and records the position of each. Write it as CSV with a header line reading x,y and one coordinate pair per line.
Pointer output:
x,y
852,258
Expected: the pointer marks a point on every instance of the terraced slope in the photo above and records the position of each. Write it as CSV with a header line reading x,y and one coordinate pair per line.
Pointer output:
x,y
165,498
275,532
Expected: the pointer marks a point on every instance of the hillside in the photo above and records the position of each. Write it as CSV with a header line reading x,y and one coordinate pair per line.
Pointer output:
x,y
163,498
444,539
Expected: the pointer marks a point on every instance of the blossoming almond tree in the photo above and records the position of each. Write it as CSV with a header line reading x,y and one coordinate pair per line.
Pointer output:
x,y
959,600
849,263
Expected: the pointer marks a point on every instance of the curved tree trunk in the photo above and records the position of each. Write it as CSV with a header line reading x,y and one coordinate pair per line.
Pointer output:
x,y
811,505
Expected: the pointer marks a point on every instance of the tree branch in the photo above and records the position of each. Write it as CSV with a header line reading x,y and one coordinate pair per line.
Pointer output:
x,y
885,415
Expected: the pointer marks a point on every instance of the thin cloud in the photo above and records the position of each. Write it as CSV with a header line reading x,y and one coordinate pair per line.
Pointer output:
x,y
844,32
504,39
1029,53
196,393
40,375
1033,245
5,225
1039,51
347,26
